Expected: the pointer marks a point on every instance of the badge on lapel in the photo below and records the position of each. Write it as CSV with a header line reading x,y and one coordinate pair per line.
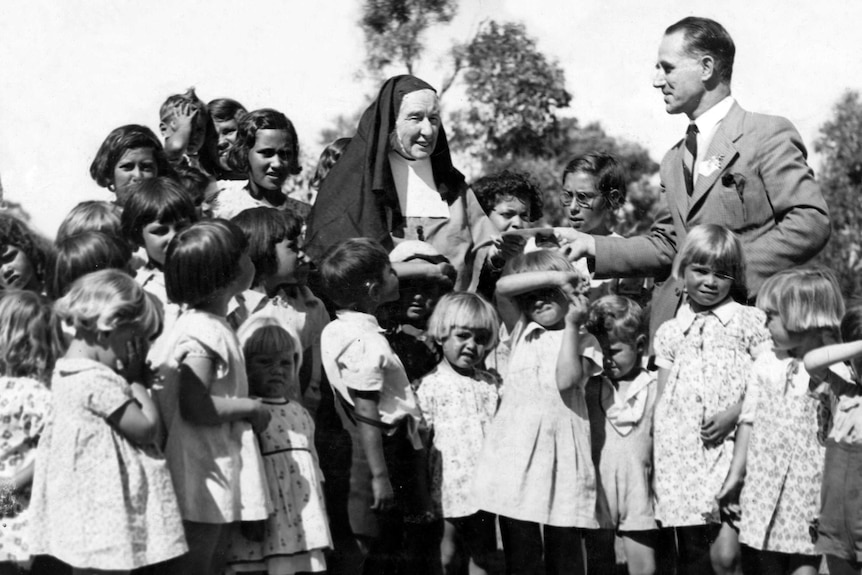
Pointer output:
x,y
710,165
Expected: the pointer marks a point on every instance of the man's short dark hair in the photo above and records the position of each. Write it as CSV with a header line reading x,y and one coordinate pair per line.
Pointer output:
x,y
349,267
705,36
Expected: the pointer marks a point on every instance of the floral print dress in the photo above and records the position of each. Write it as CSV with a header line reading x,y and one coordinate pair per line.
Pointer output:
x,y
458,411
709,357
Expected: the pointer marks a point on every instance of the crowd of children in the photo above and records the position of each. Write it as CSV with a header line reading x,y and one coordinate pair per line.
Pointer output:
x,y
184,392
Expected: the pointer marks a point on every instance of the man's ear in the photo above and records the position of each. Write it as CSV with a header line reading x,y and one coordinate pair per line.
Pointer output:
x,y
707,64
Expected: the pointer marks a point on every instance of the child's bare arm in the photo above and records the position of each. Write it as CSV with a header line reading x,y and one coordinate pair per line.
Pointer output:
x,y
517,284
197,406
365,403
728,495
570,367
661,381
717,427
444,272
137,420
183,123
817,362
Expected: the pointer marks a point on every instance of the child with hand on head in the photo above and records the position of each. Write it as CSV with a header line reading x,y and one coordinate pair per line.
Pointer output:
x,y
705,356
188,130
458,401
621,401
838,535
377,405
267,152
23,261
102,494
204,396
29,344
281,275
540,435
779,443
297,533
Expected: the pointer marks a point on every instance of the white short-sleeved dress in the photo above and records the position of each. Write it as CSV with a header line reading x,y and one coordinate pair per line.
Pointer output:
x,y
710,357
217,469
99,501
536,463
24,407
298,531
458,410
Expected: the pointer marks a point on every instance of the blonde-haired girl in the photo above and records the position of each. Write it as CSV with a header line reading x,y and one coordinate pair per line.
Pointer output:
x,y
458,401
296,535
780,441
102,494
705,356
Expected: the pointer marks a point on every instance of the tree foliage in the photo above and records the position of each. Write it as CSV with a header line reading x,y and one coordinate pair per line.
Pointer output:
x,y
394,28
514,92
840,144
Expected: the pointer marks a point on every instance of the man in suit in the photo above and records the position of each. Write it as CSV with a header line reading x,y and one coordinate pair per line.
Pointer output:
x,y
744,171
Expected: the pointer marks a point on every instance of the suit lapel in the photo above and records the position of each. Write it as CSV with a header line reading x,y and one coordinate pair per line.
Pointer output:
x,y
722,152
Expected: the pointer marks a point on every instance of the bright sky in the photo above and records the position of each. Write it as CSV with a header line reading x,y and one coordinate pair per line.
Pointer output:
x,y
73,71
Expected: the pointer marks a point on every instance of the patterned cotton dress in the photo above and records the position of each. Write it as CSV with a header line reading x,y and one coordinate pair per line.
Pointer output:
x,y
99,501
536,464
710,357
297,533
458,410
24,408
781,496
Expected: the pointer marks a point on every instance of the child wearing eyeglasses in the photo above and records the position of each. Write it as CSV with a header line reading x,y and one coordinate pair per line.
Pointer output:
x,y
594,189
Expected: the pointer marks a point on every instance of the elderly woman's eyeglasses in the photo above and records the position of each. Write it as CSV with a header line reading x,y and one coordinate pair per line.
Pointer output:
x,y
582,199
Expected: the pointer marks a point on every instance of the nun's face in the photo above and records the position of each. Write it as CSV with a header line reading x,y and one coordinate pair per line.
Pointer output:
x,y
417,125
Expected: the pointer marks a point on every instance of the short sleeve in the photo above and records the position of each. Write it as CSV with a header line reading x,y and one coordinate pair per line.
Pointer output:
x,y
748,412
206,342
362,362
759,338
664,345
105,392
425,397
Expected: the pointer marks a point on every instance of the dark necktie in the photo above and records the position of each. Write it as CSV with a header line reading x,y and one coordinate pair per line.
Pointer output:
x,y
689,157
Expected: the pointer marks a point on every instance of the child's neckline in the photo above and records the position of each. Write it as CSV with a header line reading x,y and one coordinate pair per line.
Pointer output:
x,y
275,401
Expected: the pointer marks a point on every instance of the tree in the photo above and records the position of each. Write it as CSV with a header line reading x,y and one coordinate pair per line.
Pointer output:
x,y
840,143
514,93
393,30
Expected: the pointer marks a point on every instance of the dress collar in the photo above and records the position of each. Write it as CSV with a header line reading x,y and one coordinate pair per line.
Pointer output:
x,y
365,320
724,312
